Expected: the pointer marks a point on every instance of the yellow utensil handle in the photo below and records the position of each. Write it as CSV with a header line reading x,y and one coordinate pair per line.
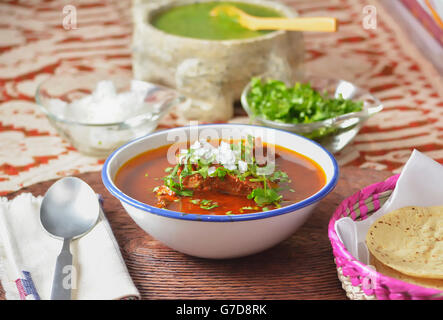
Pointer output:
x,y
323,24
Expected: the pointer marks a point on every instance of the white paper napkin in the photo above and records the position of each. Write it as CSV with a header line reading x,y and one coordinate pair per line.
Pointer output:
x,y
28,255
419,184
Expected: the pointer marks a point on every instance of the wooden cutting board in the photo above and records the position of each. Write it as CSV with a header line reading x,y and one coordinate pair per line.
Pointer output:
x,y
301,267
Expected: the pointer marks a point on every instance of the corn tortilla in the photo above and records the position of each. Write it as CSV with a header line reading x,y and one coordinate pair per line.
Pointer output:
x,y
424,282
410,241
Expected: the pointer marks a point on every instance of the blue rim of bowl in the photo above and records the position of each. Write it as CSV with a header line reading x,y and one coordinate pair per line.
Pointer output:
x,y
217,218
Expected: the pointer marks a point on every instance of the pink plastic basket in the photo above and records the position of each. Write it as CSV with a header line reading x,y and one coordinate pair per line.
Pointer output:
x,y
360,281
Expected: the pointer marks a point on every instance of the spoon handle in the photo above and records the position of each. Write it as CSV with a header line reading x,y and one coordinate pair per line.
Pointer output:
x,y
322,24
63,275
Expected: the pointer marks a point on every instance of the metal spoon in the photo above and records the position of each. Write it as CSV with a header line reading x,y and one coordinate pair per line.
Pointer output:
x,y
69,209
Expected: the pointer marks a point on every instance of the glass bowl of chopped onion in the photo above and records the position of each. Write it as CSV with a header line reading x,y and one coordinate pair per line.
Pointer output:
x,y
99,111
329,111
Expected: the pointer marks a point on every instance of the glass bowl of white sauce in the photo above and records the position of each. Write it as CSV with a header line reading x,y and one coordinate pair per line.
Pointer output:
x,y
99,111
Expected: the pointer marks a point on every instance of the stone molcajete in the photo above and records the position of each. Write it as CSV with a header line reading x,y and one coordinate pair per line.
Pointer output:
x,y
212,73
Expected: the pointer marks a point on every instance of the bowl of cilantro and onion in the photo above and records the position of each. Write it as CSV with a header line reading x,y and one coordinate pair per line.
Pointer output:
x,y
329,111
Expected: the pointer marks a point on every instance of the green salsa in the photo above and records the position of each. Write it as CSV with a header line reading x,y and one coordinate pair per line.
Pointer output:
x,y
194,21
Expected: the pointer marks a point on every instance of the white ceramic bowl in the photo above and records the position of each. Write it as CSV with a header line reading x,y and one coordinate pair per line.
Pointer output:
x,y
217,236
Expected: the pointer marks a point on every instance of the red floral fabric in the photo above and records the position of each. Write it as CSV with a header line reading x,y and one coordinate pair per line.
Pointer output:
x,y
34,45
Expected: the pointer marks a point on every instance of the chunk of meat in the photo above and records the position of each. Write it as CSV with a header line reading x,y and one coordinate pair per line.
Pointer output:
x,y
165,196
229,184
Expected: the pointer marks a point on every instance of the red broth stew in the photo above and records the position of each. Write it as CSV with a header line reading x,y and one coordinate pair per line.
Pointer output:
x,y
141,175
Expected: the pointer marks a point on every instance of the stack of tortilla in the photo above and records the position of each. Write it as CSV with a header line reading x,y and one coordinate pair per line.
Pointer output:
x,y
407,244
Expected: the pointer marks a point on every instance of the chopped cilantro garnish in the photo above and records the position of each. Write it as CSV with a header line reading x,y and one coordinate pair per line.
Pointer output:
x,y
220,172
279,176
264,196
208,204
273,100
177,187
184,193
209,207
204,171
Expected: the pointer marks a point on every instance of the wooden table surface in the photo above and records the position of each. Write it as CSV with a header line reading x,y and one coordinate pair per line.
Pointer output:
x,y
301,267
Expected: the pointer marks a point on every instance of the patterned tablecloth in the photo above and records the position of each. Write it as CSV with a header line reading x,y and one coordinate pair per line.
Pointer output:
x,y
34,45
